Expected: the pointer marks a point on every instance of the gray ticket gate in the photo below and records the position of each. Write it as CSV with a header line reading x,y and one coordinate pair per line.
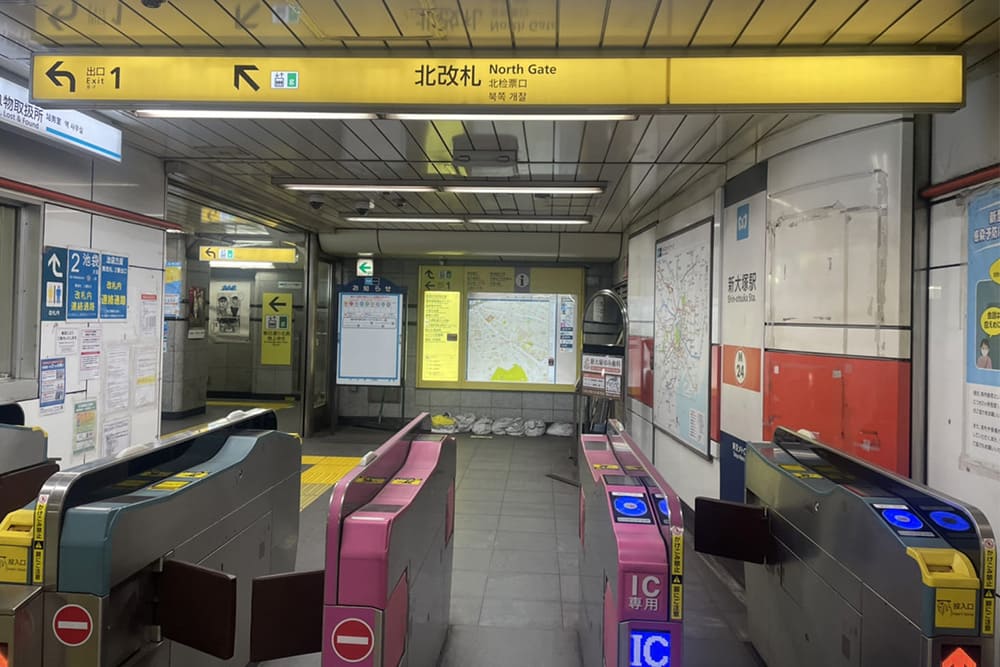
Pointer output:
x,y
851,565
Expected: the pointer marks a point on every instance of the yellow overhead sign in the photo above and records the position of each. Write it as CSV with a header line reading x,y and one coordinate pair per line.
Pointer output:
x,y
822,81
227,254
360,81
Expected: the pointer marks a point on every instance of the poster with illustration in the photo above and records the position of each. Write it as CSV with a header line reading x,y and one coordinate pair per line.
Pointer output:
x,y
229,310
196,308
982,372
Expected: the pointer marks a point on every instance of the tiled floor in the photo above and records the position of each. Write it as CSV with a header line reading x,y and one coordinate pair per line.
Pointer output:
x,y
515,587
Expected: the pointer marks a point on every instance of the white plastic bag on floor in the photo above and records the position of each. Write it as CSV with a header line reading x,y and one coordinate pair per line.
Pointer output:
x,y
563,429
516,427
464,422
482,426
534,428
501,425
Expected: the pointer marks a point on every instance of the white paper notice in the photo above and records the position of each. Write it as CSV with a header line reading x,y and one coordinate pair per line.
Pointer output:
x,y
146,366
149,317
117,383
90,354
67,342
117,435
90,340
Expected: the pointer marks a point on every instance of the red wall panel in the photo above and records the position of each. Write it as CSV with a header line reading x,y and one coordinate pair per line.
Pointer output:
x,y
640,369
860,406
715,399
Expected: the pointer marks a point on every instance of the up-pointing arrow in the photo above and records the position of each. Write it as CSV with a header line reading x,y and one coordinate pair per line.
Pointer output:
x,y
55,266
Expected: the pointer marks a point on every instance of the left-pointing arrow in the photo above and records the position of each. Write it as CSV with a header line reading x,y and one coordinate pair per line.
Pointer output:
x,y
275,304
241,72
54,74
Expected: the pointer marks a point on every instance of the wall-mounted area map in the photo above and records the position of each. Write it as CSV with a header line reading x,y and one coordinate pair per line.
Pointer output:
x,y
512,337
682,325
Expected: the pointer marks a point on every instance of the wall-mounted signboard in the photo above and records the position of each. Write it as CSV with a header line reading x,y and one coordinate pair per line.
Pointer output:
x,y
370,333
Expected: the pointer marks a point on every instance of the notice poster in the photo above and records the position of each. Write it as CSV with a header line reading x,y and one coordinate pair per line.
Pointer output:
x,y
67,342
982,373
118,380
602,375
84,426
90,354
173,285
117,433
146,365
682,322
229,311
370,339
114,287
441,315
52,385
149,315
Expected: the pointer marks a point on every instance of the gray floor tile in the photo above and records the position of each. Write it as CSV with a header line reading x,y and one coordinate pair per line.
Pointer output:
x,y
570,585
483,495
568,544
521,560
465,611
477,560
571,512
472,483
521,613
527,523
488,464
528,483
532,541
510,647
522,586
571,615
528,509
715,652
569,563
468,584
528,497
478,507
475,539
476,522
570,499
568,526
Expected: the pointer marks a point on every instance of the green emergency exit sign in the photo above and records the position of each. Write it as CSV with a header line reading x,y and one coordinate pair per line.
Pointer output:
x,y
366,267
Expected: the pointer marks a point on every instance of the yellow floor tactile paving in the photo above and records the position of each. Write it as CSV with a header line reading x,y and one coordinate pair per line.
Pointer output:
x,y
323,472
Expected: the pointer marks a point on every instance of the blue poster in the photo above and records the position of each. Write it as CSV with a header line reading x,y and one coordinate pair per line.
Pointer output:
x,y
114,287
52,385
83,284
53,284
982,373
732,468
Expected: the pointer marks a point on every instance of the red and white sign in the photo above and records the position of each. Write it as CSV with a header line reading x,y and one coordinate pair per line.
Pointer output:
x,y
353,640
72,625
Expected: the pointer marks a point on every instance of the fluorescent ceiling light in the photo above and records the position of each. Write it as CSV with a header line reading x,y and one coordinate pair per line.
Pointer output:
x,y
366,254
412,218
248,113
510,116
348,187
528,221
222,264
526,189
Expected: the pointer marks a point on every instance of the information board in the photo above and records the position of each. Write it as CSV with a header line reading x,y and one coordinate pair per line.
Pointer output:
x,y
499,328
276,329
370,333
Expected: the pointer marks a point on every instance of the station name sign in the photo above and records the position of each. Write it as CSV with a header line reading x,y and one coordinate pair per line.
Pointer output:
x,y
98,80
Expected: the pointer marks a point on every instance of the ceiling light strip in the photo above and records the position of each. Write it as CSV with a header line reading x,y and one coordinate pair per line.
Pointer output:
x,y
252,114
510,116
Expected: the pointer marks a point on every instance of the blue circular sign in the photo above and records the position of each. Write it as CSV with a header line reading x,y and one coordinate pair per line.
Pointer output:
x,y
630,506
664,507
903,519
951,521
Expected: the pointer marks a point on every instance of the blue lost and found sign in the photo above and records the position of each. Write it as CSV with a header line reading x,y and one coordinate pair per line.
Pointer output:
x,y
114,287
83,285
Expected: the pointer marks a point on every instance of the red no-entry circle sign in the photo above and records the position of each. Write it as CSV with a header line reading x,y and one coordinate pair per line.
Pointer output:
x,y
353,640
72,625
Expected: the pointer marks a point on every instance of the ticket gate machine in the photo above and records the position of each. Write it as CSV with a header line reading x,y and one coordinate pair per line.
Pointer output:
x,y
632,557
385,596
24,467
135,560
850,565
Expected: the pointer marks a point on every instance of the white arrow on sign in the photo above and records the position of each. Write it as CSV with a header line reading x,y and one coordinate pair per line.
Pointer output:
x,y
55,265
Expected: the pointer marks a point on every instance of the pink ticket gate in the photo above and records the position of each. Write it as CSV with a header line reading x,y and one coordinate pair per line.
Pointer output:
x,y
384,597
632,557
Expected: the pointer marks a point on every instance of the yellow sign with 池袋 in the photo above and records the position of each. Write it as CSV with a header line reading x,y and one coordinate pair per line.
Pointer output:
x,y
252,79
441,320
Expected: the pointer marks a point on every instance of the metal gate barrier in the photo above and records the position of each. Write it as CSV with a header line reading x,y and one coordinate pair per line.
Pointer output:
x,y
384,597
632,557
137,560
851,565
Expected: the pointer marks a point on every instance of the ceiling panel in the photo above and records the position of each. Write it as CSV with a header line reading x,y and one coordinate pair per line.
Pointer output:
x,y
257,18
725,21
629,23
534,22
772,22
581,22
821,21
626,138
227,29
106,23
487,23
677,21
920,21
440,20
870,20
171,21
49,26
370,18
968,22
661,129
318,23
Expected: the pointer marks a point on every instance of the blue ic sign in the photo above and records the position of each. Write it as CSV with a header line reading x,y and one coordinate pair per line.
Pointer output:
x,y
53,284
649,648
743,222
114,287
83,283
